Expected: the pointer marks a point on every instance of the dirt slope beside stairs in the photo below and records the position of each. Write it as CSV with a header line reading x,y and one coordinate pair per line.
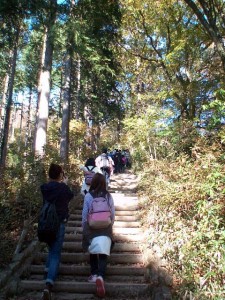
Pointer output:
x,y
125,273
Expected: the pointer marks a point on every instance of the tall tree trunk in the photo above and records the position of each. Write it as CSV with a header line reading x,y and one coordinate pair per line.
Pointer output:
x,y
66,95
98,135
28,125
3,104
13,115
4,96
45,87
92,136
39,86
78,87
64,143
21,124
60,94
138,86
9,104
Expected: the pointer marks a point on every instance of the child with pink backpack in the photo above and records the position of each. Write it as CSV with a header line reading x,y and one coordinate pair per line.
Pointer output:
x,y
98,216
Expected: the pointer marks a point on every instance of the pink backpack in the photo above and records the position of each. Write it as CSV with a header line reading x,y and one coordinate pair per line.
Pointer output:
x,y
100,213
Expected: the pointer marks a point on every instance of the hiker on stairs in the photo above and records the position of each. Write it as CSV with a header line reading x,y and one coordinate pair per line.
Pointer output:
x,y
98,241
88,169
56,190
106,164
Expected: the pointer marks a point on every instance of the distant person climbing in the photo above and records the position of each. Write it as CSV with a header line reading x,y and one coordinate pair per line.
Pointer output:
x,y
89,170
118,161
57,191
105,164
98,216
128,157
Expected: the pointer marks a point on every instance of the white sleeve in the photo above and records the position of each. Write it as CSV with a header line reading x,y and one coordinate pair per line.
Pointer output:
x,y
86,206
97,161
112,206
111,160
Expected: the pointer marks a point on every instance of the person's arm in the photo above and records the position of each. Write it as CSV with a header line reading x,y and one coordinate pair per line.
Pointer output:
x,y
65,179
82,168
85,210
112,206
67,192
85,170
111,161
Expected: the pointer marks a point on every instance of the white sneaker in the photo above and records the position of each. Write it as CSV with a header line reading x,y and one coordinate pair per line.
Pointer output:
x,y
46,295
92,278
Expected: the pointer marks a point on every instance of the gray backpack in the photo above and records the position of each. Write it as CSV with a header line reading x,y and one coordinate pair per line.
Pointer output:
x,y
88,177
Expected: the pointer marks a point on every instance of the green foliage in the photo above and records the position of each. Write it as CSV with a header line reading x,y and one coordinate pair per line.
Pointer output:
x,y
216,110
164,62
94,38
183,204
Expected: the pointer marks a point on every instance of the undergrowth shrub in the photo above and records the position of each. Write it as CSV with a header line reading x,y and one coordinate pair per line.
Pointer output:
x,y
20,195
183,207
19,201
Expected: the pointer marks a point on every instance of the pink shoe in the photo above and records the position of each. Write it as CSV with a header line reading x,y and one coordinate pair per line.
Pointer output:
x,y
92,278
100,288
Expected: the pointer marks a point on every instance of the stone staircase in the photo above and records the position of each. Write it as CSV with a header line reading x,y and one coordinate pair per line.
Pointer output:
x,y
125,276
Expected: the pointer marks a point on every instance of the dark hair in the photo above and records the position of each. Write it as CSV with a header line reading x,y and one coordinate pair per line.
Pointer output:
x,y
104,150
54,171
98,184
90,162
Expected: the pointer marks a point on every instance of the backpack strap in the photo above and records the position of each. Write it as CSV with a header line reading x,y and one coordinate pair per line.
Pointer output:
x,y
52,202
104,196
104,155
91,169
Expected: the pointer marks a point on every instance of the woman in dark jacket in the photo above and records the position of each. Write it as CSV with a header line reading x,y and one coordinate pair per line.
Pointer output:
x,y
98,242
56,190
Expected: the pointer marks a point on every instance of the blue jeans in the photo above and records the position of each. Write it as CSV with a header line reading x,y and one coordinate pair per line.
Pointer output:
x,y
54,255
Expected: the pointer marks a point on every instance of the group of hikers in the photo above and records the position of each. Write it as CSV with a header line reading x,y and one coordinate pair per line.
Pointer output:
x,y
98,216
107,163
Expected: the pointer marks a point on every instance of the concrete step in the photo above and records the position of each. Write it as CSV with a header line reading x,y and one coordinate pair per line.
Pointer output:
x,y
83,278
119,247
126,218
118,207
126,212
117,237
116,224
116,230
77,218
112,289
66,269
37,295
77,258
121,202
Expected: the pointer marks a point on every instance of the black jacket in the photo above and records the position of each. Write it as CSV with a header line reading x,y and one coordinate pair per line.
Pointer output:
x,y
61,194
